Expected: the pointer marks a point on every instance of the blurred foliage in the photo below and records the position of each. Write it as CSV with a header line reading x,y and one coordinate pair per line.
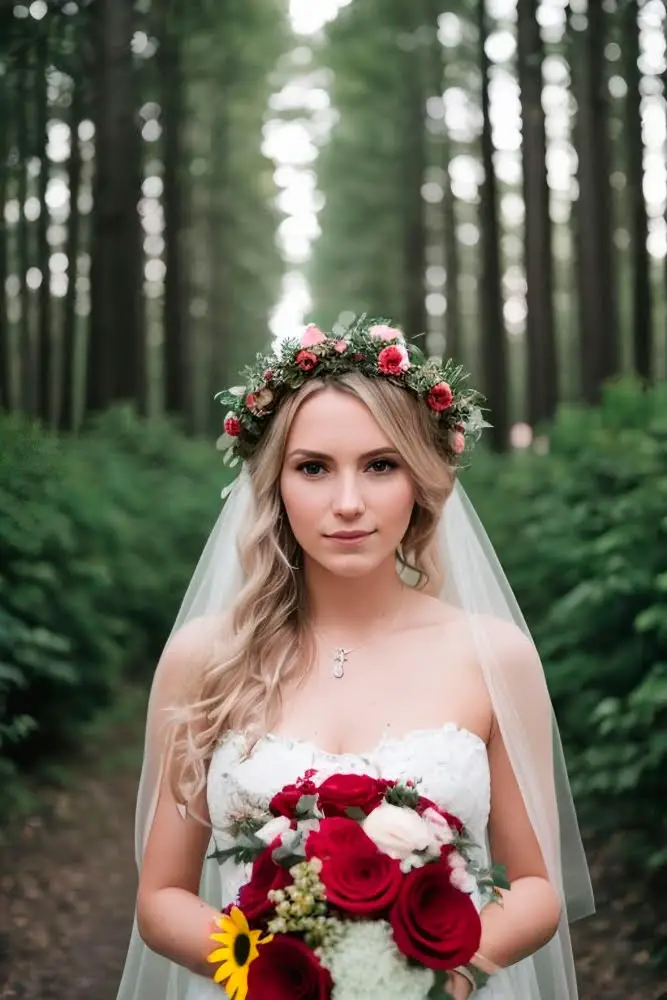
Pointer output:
x,y
581,530
99,538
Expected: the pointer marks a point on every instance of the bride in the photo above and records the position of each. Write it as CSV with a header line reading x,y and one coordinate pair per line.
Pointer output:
x,y
348,614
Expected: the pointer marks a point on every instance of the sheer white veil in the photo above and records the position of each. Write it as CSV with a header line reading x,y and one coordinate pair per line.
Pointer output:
x,y
474,582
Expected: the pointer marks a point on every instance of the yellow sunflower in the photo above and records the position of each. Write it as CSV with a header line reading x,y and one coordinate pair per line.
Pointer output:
x,y
239,948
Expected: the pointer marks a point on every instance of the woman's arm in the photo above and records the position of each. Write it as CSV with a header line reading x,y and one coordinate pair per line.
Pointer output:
x,y
171,918
530,911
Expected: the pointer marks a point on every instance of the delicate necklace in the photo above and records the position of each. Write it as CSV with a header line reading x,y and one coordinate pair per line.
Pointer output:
x,y
340,654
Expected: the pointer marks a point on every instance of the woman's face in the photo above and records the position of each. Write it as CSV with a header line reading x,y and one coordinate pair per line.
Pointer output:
x,y
346,490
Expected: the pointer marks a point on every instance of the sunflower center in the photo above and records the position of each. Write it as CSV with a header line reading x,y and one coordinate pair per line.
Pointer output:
x,y
241,948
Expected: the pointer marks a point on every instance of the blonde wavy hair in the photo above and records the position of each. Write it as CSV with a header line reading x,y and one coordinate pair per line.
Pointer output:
x,y
265,645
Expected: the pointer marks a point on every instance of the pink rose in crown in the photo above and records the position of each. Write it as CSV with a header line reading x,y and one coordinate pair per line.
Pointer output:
x,y
232,425
340,346
440,397
383,332
312,335
393,360
259,402
268,375
306,360
457,442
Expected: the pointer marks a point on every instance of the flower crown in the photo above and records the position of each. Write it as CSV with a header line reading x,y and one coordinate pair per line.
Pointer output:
x,y
369,346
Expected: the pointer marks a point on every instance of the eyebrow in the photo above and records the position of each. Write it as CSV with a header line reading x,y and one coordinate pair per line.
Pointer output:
x,y
306,453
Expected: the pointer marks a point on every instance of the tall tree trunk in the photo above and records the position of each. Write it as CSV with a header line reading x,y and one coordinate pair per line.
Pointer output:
x,y
26,349
493,340
453,345
219,292
414,224
117,363
5,348
66,415
542,367
44,351
642,332
177,375
598,322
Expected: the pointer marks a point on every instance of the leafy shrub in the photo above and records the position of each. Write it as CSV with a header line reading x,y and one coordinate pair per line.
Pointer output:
x,y
582,534
98,538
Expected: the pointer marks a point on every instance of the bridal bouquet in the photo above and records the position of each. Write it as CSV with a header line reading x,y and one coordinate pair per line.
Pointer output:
x,y
360,888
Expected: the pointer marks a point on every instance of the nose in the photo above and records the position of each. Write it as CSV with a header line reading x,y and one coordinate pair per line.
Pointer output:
x,y
348,501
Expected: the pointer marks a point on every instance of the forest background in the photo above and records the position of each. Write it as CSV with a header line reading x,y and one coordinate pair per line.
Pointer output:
x,y
182,184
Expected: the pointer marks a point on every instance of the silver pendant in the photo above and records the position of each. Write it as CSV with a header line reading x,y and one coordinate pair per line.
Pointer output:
x,y
340,659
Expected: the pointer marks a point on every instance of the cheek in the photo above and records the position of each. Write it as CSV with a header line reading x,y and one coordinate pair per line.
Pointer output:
x,y
301,505
400,500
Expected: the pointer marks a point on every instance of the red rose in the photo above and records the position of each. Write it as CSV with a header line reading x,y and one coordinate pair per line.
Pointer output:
x,y
336,835
426,803
232,425
306,360
434,923
287,969
266,875
393,360
268,375
358,791
440,397
362,883
285,801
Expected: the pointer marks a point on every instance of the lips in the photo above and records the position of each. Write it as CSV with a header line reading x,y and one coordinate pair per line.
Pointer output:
x,y
350,535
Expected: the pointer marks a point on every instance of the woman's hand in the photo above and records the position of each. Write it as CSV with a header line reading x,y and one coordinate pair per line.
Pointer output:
x,y
458,986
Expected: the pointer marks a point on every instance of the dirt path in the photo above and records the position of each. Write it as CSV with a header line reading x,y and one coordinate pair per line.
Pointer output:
x,y
67,888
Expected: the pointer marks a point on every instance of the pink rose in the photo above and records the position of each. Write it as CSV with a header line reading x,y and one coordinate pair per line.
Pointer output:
x,y
340,346
312,335
268,375
259,402
232,425
457,442
306,360
383,332
393,360
440,397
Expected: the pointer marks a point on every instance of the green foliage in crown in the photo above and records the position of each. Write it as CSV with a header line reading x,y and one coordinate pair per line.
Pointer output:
x,y
375,349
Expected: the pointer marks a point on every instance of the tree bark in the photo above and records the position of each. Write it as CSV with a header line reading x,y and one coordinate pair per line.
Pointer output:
x,y
598,321
44,362
5,348
642,332
414,225
542,366
26,347
66,415
493,340
116,356
177,374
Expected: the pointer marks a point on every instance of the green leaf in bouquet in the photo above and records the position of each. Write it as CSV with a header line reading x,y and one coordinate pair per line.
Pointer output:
x,y
354,812
306,807
439,989
499,875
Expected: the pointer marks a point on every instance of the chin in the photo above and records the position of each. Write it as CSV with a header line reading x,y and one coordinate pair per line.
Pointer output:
x,y
349,565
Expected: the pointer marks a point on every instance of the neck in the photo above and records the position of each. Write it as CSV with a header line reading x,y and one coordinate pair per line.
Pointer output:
x,y
348,607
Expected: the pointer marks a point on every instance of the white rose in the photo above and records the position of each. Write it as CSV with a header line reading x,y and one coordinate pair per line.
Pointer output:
x,y
438,826
459,875
398,831
275,827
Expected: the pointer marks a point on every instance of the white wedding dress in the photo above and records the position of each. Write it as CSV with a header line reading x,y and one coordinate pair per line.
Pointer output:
x,y
450,762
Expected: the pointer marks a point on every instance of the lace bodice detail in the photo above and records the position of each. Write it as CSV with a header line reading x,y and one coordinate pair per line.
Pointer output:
x,y
451,764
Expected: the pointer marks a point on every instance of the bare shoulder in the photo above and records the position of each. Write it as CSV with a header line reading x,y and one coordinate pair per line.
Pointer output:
x,y
511,647
188,651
